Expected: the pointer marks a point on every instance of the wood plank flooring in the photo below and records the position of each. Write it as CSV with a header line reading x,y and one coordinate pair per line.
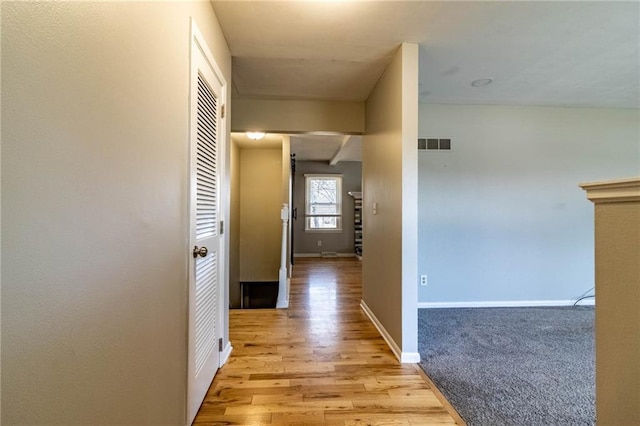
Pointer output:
x,y
319,362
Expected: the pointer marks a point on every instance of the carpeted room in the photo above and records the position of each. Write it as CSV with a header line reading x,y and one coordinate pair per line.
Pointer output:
x,y
508,366
504,229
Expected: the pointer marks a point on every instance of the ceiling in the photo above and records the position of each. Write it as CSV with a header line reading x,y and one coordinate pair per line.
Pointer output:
x,y
308,147
321,148
270,141
560,53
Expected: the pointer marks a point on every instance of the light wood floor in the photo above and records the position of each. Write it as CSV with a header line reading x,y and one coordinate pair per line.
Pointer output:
x,y
319,362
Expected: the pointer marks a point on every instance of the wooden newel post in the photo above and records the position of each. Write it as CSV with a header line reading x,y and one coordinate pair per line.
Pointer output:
x,y
617,261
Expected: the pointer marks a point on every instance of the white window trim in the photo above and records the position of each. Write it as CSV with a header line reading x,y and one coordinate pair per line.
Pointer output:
x,y
336,230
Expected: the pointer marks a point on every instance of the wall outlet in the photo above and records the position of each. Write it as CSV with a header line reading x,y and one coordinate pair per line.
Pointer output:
x,y
319,243
423,280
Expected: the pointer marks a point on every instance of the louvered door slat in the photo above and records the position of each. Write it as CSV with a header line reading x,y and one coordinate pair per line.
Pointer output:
x,y
206,162
207,188
204,144
205,134
206,224
209,99
202,109
204,171
206,111
206,299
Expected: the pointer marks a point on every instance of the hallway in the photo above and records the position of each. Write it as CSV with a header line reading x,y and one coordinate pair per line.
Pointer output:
x,y
319,362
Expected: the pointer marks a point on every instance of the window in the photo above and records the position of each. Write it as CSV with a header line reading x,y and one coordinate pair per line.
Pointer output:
x,y
323,202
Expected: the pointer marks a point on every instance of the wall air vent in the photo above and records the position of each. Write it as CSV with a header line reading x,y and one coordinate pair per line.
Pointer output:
x,y
444,144
433,144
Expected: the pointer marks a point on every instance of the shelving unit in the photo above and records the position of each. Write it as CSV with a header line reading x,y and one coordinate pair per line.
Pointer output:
x,y
357,221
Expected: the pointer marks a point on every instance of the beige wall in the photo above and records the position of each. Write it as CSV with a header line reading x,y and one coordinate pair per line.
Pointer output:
x,y
291,116
617,256
94,206
260,203
389,180
234,227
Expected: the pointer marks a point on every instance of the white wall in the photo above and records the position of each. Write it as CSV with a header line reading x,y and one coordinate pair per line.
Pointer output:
x,y
501,217
95,102
389,170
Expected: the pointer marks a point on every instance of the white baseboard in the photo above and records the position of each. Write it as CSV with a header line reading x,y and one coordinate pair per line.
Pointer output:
x,y
403,357
225,354
505,304
410,358
319,255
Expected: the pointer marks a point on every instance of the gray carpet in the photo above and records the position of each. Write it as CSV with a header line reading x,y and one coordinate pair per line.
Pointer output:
x,y
512,366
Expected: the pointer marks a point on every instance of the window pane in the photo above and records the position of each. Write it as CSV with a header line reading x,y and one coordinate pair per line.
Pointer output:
x,y
320,222
323,209
322,191
323,202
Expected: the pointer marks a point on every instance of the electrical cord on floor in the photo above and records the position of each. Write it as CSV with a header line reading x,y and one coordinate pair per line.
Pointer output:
x,y
585,295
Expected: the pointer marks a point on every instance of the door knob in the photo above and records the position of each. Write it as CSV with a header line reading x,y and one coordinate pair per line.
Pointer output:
x,y
202,251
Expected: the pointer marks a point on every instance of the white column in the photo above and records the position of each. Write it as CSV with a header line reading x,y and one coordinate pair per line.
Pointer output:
x,y
283,287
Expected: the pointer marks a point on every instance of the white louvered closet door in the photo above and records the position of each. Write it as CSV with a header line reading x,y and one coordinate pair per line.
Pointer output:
x,y
206,275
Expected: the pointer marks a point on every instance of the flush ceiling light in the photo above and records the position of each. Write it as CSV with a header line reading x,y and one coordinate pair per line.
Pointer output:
x,y
256,136
482,82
